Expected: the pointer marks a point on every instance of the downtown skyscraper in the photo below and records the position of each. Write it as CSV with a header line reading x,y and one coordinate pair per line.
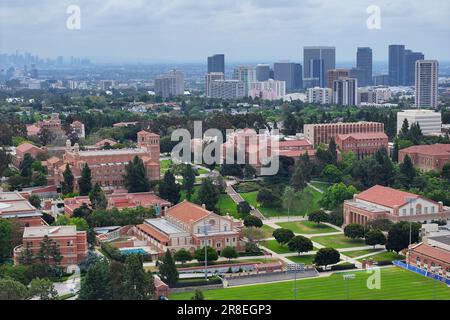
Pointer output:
x,y
216,63
317,61
290,72
364,63
427,83
402,64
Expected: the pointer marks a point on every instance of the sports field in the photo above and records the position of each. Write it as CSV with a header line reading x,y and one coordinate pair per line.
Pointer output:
x,y
307,227
395,284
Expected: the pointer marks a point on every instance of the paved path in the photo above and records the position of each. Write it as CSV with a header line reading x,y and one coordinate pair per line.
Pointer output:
x,y
315,188
237,198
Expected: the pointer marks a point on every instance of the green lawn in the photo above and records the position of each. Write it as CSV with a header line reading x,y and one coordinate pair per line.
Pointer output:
x,y
386,256
275,246
202,171
309,203
226,204
338,241
320,185
267,230
396,284
307,227
306,259
357,253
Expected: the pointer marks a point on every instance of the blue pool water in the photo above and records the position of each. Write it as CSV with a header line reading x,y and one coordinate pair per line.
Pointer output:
x,y
133,251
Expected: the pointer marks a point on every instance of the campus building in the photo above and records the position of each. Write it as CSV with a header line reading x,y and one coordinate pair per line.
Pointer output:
x,y
183,226
395,205
362,144
108,166
322,133
120,200
430,122
23,149
427,157
54,125
13,205
72,244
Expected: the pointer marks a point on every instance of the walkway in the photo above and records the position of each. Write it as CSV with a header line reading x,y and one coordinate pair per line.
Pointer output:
x,y
237,198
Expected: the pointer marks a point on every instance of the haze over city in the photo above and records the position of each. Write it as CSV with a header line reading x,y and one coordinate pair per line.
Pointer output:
x,y
250,30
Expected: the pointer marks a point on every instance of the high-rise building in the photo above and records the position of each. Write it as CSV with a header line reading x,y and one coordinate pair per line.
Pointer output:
x,y
427,83
316,62
336,74
262,72
396,65
171,84
290,72
246,74
345,92
210,77
226,89
364,63
319,95
410,66
267,90
381,80
216,63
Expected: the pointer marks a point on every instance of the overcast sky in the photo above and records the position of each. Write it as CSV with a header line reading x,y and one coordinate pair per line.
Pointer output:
x,y
245,30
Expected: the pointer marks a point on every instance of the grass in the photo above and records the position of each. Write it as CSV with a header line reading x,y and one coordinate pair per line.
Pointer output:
x,y
165,165
396,284
320,185
307,227
309,202
307,259
225,262
202,171
358,253
267,230
338,241
275,246
385,256
226,204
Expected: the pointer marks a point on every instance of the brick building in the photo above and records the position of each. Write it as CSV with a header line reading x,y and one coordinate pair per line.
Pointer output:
x,y
295,148
119,200
72,243
182,226
392,204
322,133
25,148
427,157
362,144
108,166
13,205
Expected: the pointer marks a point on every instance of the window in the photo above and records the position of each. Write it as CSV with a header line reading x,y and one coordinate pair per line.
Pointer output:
x,y
404,212
418,208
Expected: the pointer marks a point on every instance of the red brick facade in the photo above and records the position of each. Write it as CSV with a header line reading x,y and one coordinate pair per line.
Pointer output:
x,y
362,144
427,157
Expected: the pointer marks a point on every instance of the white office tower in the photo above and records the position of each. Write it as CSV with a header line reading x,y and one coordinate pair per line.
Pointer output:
x,y
345,92
210,77
427,83
226,89
246,74
429,121
267,90
319,95
170,84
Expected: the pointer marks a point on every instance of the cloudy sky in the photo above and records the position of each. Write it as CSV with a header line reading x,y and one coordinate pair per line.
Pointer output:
x,y
245,30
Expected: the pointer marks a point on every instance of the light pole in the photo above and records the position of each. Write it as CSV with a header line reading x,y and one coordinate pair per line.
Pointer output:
x,y
205,232
347,278
410,201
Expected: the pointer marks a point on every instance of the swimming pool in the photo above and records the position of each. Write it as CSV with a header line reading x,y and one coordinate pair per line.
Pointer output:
x,y
132,251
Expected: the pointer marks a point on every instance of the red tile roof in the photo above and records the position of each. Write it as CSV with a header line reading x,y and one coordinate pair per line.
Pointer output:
x,y
25,147
296,153
432,252
188,212
154,233
363,136
294,143
432,150
385,196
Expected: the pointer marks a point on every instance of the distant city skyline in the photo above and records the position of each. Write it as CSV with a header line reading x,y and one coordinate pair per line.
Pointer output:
x,y
251,30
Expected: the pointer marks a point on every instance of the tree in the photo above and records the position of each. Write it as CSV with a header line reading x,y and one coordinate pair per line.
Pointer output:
x,y
249,172
446,172
335,195
331,173
182,256
35,201
85,182
404,131
43,289
300,244
289,196
395,150
12,290
26,166
116,280
408,170
283,236
398,235
5,160
243,208
374,237
5,239
46,136
135,178
198,295
168,270
318,216
253,234
327,256
298,181
267,198
82,212
211,254
332,149
98,198
354,231
68,179
208,194
229,253
138,283
93,286
188,181
252,221
381,224
169,189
